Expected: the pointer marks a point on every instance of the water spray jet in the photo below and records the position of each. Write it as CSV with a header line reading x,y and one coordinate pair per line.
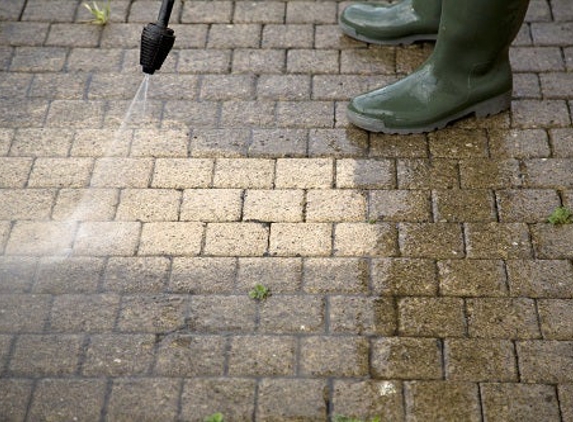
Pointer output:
x,y
157,40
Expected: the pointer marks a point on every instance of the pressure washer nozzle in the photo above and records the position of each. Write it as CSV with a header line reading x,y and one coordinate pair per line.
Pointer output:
x,y
156,43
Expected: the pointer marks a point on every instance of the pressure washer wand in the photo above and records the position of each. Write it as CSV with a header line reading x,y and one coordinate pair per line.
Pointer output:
x,y
157,40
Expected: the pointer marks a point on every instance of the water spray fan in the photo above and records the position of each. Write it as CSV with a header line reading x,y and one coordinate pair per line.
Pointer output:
x,y
157,40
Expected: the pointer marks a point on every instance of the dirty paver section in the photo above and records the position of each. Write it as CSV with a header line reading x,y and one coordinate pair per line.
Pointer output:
x,y
412,277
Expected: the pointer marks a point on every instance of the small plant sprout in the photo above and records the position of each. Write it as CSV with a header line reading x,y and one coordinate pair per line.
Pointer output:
x,y
259,292
101,15
561,215
215,417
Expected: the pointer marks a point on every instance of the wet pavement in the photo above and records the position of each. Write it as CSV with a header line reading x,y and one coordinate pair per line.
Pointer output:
x,y
411,277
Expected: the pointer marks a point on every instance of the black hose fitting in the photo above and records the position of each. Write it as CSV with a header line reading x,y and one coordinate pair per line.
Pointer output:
x,y
157,40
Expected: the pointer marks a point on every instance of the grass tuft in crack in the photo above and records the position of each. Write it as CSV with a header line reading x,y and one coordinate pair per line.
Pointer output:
x,y
215,417
561,215
100,15
259,292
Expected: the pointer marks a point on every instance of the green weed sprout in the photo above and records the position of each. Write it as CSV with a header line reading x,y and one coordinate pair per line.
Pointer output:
x,y
561,215
215,417
259,292
101,15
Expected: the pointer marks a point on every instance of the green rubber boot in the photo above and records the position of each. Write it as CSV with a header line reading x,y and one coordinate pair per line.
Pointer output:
x,y
400,23
468,72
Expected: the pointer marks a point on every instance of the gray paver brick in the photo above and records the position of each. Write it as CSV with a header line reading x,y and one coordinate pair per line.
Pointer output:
x,y
85,204
498,241
540,278
279,275
340,275
23,313
400,205
121,172
306,399
218,313
136,275
292,314
148,205
426,240
40,238
72,275
373,174
107,238
262,356
179,173
152,313
556,318
362,315
14,397
34,204
565,392
14,171
202,275
84,313
334,356
234,397
335,206
553,242
182,354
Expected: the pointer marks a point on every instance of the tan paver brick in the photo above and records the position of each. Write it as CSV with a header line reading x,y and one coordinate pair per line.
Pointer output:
x,y
122,173
84,313
182,354
293,314
365,239
540,278
15,393
300,239
457,206
473,278
565,392
211,205
335,275
547,362
92,204
31,204
373,174
107,238
431,317
404,277
556,318
262,356
553,242
498,241
306,400
40,238
201,275
431,240
180,173
14,171
279,275
361,315
334,356
148,205
302,173
400,206
236,239
171,238
249,173
324,206
159,143
285,206
60,172
368,399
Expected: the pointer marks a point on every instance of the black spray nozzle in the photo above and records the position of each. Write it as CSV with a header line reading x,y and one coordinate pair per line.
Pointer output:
x,y
157,40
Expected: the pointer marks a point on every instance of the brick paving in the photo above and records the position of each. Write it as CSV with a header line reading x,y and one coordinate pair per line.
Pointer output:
x,y
412,277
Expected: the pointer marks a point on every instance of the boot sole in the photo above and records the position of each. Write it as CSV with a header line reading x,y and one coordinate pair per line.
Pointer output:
x,y
351,32
486,108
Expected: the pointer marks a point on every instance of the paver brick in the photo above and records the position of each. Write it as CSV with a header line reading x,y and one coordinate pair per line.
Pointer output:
x,y
372,61
45,355
42,142
171,238
121,173
274,205
60,172
365,174
368,399
23,313
334,356
480,360
396,146
92,204
259,12
549,173
300,239
73,275
14,397
152,313
233,397
284,87
18,113
310,12
464,205
305,114
207,12
473,278
148,205
24,33
312,61
561,142
243,173
502,318
536,59
400,205
556,318
238,35
118,355
16,273
530,206
203,275
431,317
335,275
40,238
183,354
540,113
227,143
335,206
301,173
365,239
504,402
30,204
424,174
107,238
484,173
431,240
279,275
548,361
278,143
248,114
262,356
76,313
405,358
236,239
362,315
221,314
439,400
259,61
287,36
404,277
565,392
292,314
14,171
135,275
553,242
337,142
540,278
144,398
180,173
497,241
306,399
220,205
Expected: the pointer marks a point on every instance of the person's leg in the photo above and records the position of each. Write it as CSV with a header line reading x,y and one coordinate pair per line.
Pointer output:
x,y
468,72
400,23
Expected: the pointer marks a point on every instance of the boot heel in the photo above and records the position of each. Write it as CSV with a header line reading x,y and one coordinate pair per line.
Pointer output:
x,y
494,105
